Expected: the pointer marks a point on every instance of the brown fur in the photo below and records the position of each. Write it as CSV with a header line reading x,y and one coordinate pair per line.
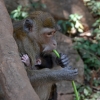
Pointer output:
x,y
32,43
32,47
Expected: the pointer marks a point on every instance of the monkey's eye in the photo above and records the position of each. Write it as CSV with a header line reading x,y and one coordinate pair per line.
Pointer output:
x,y
50,33
54,31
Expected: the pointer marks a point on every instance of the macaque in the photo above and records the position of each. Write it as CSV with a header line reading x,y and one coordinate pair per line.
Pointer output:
x,y
47,61
34,37
43,61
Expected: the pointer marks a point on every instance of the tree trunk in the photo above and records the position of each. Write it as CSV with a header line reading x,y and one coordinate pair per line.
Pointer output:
x,y
13,76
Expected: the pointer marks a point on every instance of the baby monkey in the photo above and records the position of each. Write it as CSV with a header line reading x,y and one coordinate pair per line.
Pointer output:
x,y
46,61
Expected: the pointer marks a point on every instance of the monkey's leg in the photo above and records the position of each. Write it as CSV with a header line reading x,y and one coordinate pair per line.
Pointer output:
x,y
53,93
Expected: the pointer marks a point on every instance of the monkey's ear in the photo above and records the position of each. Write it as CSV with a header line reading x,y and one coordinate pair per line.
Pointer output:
x,y
28,25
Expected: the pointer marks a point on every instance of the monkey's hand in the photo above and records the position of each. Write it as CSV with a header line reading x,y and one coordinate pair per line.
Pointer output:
x,y
38,61
63,61
26,60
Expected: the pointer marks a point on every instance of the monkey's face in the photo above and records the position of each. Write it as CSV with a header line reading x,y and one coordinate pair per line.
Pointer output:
x,y
43,36
46,39
48,42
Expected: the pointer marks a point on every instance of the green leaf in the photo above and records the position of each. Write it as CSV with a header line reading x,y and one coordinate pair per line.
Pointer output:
x,y
78,16
36,5
96,30
86,92
15,15
98,36
72,18
77,25
80,30
24,14
86,99
79,39
87,42
92,98
99,43
14,11
60,22
89,89
98,51
64,26
72,25
89,60
75,17
96,23
93,47
85,46
97,62
86,0
81,26
19,8
43,5
85,55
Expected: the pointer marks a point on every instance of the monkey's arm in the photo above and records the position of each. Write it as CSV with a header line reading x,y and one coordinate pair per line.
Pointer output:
x,y
52,76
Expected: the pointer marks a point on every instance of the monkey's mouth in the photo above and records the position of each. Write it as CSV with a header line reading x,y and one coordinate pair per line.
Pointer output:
x,y
48,49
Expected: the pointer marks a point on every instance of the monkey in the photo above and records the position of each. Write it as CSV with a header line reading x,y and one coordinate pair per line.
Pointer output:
x,y
35,35
47,61
43,61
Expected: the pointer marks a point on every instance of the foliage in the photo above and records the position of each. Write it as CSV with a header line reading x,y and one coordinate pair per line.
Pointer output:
x,y
96,31
19,13
96,82
38,5
97,24
90,53
94,6
89,49
71,24
86,93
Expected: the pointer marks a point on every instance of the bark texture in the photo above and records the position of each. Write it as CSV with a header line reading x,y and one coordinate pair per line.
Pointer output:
x,y
13,76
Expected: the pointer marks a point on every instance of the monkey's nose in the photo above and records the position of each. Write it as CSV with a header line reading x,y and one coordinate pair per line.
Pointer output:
x,y
55,44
